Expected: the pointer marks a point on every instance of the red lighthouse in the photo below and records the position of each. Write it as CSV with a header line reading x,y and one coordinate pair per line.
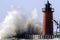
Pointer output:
x,y
47,25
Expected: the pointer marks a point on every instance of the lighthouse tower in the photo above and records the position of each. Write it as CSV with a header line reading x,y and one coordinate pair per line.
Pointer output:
x,y
47,25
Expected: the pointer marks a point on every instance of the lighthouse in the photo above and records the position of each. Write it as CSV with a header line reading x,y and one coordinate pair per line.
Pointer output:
x,y
47,25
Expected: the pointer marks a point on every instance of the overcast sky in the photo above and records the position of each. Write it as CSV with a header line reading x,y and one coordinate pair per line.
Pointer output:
x,y
28,6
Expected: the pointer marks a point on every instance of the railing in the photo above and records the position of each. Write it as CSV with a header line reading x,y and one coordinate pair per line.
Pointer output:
x,y
52,9
35,37
41,37
46,36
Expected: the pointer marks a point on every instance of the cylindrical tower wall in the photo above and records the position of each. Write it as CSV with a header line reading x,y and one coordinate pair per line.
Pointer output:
x,y
47,26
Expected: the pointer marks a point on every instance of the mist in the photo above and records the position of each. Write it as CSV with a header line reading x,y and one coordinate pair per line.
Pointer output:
x,y
16,20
